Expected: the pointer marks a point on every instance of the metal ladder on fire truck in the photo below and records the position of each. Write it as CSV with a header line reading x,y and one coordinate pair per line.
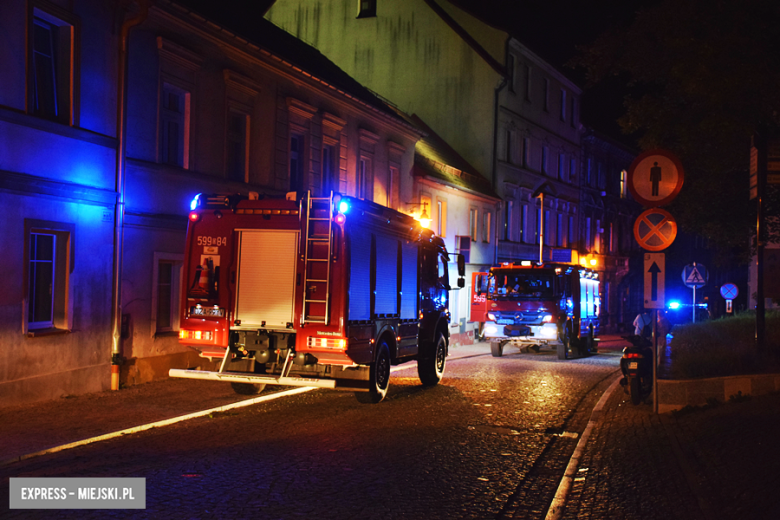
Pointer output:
x,y
316,259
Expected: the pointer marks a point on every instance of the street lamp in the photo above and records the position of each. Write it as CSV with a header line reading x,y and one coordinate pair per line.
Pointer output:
x,y
424,219
539,192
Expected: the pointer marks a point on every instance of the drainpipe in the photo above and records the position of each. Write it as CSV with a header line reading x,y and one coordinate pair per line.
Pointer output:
x,y
499,88
119,209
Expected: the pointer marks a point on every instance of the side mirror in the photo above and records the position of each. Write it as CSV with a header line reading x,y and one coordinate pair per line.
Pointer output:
x,y
461,266
461,283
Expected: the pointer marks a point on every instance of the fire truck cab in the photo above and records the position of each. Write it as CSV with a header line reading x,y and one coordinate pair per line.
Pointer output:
x,y
532,305
305,291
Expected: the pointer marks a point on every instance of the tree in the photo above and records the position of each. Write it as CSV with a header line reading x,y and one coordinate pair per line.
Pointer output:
x,y
702,76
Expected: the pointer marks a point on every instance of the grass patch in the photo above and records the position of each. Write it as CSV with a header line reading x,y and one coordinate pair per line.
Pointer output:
x,y
725,347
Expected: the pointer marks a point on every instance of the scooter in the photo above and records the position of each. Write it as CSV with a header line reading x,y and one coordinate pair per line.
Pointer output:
x,y
637,367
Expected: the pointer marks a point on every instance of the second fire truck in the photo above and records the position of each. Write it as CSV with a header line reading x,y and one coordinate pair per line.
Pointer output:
x,y
534,305
304,291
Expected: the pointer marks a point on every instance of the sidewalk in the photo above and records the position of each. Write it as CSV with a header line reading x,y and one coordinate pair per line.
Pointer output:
x,y
712,464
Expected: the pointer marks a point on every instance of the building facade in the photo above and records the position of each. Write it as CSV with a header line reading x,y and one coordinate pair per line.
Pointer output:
x,y
58,135
607,218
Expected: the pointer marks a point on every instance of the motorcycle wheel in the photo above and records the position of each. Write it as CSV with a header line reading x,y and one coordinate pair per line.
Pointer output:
x,y
635,389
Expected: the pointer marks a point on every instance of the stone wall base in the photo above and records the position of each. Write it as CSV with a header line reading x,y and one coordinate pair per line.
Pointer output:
x,y
677,394
77,381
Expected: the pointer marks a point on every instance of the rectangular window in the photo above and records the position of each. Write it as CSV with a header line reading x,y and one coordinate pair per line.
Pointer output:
x,y
473,216
441,217
544,159
546,95
509,149
164,296
571,235
330,177
548,227
237,146
175,126
588,230
573,109
394,188
363,173
563,105
526,151
561,231
527,70
486,227
49,260
561,166
510,72
40,312
572,170
366,8
296,163
51,67
623,174
538,225
510,219
463,247
524,223
589,172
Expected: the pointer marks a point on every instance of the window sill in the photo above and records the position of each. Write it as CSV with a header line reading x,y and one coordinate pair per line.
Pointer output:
x,y
51,331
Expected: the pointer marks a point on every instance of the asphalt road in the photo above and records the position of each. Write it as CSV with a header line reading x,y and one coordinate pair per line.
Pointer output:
x,y
491,441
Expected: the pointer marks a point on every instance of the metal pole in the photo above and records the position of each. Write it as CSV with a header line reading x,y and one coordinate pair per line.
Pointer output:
x,y
761,145
694,303
655,361
541,231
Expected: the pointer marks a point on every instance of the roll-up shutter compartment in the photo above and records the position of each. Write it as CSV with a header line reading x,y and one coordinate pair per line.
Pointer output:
x,y
266,278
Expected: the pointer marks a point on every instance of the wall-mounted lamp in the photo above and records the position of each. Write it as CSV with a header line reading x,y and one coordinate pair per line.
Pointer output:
x,y
425,219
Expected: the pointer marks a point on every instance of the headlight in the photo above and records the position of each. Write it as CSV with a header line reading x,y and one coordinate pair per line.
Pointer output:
x,y
547,318
491,316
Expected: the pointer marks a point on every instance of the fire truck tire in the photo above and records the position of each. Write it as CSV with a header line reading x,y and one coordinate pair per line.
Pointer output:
x,y
379,376
430,367
496,349
247,388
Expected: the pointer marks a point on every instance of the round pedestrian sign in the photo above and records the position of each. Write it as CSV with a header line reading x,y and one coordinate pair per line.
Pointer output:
x,y
729,291
655,178
695,275
655,229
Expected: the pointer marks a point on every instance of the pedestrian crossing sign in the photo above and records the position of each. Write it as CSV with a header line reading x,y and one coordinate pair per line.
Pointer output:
x,y
695,275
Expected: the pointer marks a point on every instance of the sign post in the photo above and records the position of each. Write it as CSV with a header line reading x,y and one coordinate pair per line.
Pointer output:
x,y
695,275
729,291
654,179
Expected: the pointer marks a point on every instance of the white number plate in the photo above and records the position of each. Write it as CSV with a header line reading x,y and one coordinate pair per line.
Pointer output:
x,y
633,365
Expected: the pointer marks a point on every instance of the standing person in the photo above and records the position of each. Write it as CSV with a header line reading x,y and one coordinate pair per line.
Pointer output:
x,y
643,324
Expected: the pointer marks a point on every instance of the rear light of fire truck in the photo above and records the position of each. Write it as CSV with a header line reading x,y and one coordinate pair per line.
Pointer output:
x,y
327,343
199,335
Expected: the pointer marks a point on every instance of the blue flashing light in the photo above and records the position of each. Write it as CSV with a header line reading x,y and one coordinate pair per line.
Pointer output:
x,y
195,202
674,305
343,207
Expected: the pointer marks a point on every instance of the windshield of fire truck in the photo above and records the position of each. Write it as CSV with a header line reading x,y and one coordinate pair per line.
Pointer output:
x,y
520,284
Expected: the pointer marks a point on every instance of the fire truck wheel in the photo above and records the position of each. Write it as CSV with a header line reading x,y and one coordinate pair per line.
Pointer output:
x,y
247,388
379,376
496,349
430,368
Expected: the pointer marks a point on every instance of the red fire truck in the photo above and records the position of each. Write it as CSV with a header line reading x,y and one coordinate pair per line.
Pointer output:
x,y
304,291
531,305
